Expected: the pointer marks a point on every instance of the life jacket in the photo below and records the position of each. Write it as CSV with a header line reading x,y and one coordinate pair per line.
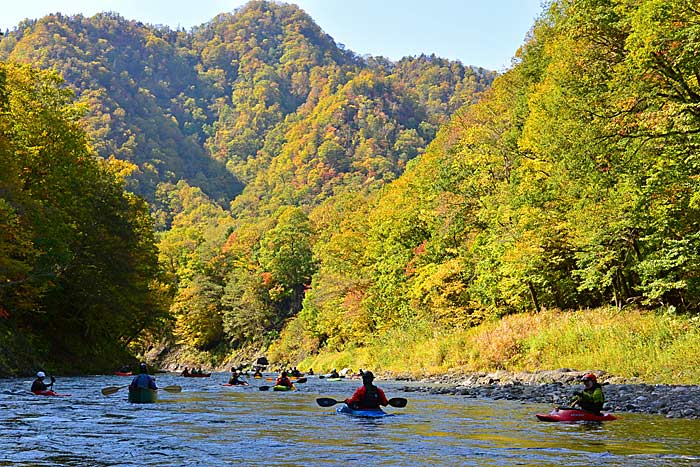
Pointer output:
x,y
592,399
370,399
284,381
143,380
38,385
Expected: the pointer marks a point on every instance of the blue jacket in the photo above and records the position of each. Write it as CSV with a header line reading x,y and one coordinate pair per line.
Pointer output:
x,y
143,380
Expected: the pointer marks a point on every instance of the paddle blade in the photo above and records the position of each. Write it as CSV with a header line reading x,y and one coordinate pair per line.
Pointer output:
x,y
398,402
301,380
327,401
264,388
173,388
111,390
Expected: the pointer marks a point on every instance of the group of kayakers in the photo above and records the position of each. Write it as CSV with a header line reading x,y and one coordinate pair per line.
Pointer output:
x,y
367,396
193,372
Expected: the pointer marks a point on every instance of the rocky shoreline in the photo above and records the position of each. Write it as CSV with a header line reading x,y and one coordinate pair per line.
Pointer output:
x,y
557,386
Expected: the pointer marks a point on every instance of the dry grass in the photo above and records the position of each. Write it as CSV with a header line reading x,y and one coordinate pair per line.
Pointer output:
x,y
657,348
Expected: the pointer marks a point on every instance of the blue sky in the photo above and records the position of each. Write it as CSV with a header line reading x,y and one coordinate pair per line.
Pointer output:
x,y
482,33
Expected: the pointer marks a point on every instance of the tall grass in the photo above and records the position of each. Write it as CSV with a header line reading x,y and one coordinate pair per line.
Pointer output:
x,y
654,347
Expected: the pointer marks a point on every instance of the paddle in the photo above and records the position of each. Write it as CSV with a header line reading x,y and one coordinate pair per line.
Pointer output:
x,y
112,389
328,402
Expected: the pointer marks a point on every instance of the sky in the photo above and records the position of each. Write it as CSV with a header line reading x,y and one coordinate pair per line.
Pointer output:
x,y
484,33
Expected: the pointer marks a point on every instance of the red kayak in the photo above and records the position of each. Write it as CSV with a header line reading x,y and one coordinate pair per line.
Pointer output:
x,y
49,392
123,373
205,375
565,414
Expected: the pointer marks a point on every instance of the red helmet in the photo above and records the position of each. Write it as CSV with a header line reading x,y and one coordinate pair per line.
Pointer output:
x,y
589,376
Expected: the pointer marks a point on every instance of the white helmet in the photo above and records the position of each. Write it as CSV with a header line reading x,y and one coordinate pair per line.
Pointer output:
x,y
41,374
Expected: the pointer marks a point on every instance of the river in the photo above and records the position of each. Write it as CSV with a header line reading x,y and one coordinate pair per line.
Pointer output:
x,y
212,425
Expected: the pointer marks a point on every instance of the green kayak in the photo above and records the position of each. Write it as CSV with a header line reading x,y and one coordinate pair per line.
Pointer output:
x,y
143,395
282,388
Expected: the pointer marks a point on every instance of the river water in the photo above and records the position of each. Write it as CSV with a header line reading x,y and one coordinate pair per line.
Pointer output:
x,y
212,425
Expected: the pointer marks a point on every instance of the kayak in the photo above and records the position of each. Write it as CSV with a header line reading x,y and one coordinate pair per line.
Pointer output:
x,y
49,392
123,373
369,413
562,414
333,379
205,375
143,395
239,384
279,387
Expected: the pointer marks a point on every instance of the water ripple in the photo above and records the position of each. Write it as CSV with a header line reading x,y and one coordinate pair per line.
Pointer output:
x,y
209,424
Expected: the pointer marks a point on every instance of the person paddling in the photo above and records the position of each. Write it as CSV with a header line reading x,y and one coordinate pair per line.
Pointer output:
x,y
258,373
368,396
591,399
283,380
334,374
39,386
234,379
143,380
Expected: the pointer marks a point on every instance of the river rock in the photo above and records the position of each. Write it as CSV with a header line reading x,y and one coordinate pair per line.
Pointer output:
x,y
557,386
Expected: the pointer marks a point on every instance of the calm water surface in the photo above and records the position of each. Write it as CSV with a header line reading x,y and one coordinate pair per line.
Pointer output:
x,y
211,425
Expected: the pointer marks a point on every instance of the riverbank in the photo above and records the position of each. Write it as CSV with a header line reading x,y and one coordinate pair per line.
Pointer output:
x,y
638,345
557,386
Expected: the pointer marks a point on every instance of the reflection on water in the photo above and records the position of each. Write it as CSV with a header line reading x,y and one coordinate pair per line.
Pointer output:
x,y
208,424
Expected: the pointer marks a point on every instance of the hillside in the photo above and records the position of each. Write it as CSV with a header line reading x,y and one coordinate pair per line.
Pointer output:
x,y
258,108
319,202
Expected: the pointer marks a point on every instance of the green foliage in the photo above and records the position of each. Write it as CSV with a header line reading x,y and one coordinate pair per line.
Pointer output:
x,y
571,183
67,222
380,198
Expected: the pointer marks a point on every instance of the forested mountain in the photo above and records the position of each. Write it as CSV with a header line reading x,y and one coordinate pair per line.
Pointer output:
x,y
259,108
321,201
573,183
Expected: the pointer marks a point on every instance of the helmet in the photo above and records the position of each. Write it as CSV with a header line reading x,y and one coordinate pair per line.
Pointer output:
x,y
589,377
367,377
41,374
144,368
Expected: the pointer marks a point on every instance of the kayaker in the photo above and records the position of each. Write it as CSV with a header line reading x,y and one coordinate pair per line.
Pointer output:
x,y
367,396
283,380
258,373
310,372
143,379
591,399
296,373
39,385
334,374
234,379
186,372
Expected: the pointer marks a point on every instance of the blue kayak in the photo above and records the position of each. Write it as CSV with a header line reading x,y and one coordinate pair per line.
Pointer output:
x,y
370,413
